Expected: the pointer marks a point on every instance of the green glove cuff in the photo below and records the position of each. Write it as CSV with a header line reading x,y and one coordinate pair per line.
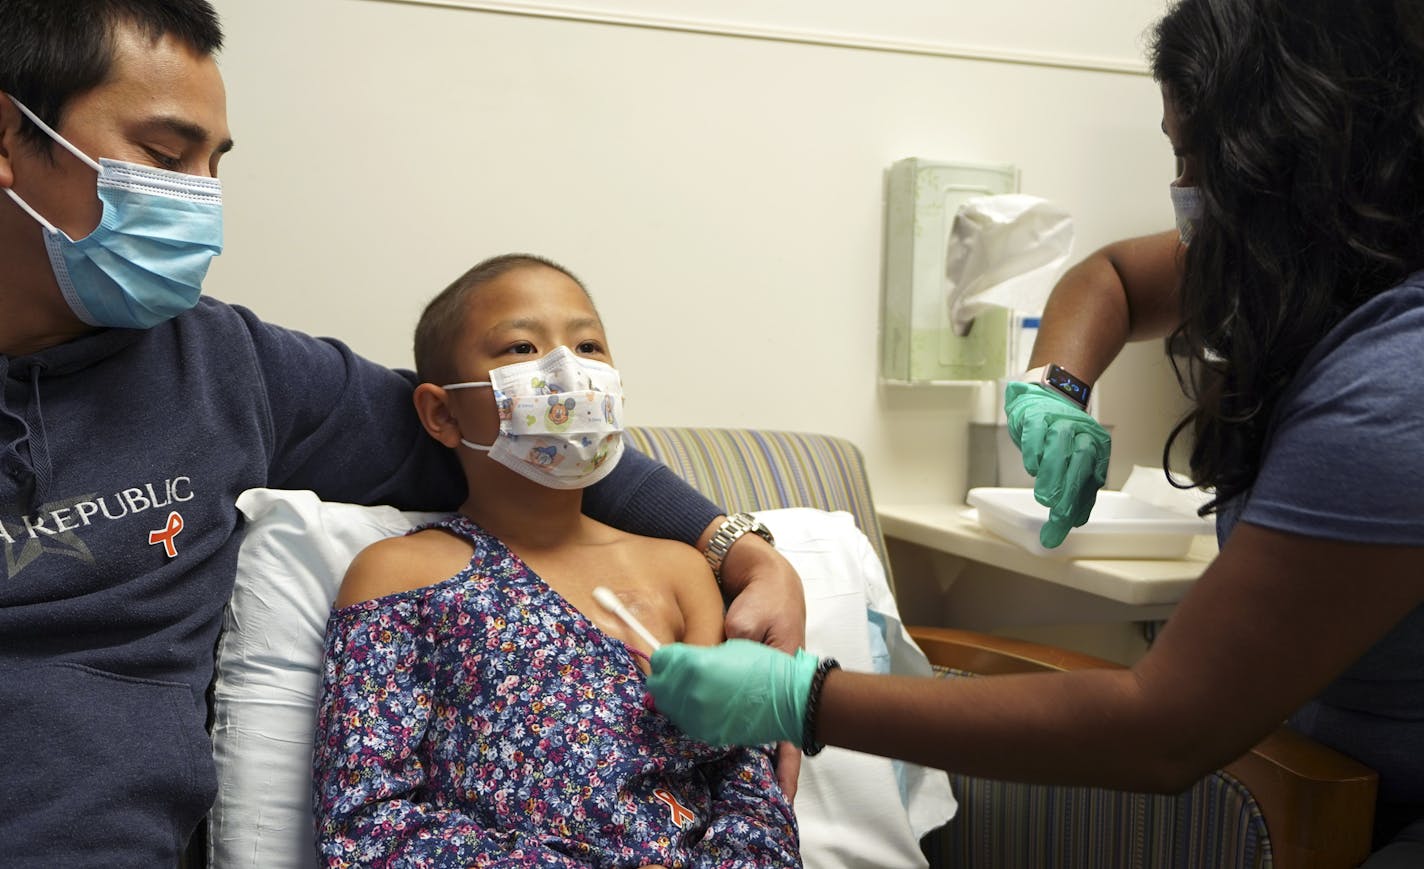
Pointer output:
x,y
1022,398
799,678
809,744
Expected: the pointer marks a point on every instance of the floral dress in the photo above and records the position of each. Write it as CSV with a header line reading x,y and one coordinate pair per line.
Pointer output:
x,y
483,721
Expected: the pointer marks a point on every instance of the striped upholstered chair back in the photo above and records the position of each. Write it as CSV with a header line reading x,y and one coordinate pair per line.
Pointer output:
x,y
745,469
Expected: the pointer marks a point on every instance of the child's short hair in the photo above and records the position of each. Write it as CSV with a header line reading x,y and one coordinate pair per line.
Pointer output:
x,y
438,331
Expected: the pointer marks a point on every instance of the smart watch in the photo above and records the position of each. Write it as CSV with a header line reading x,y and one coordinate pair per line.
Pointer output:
x,y
1057,378
729,532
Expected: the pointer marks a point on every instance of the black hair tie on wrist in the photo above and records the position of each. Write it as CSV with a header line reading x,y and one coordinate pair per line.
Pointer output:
x,y
809,745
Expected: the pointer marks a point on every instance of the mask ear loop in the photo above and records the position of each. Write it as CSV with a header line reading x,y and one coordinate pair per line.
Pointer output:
x,y
49,131
25,206
468,384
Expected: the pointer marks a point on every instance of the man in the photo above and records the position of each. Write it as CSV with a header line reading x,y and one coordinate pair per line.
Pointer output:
x,y
133,412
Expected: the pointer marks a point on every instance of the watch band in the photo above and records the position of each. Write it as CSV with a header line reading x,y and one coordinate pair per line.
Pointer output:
x,y
1058,379
729,532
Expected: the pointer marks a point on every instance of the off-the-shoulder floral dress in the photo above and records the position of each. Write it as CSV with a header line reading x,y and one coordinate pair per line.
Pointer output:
x,y
483,721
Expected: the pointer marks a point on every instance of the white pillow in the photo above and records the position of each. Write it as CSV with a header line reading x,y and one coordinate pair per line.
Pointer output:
x,y
268,676
854,810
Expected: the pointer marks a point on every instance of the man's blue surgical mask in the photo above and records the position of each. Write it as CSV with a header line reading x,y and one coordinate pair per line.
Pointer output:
x,y
145,261
1187,206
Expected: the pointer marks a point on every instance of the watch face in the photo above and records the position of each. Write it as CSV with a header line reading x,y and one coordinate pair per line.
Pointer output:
x,y
1067,384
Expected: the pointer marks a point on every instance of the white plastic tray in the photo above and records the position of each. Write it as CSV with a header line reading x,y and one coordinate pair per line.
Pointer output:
x,y
1121,526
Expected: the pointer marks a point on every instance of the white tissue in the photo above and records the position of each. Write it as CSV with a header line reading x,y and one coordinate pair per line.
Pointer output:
x,y
1150,485
1004,251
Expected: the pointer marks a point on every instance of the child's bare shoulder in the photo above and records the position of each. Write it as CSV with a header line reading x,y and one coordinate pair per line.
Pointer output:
x,y
399,564
672,555
684,572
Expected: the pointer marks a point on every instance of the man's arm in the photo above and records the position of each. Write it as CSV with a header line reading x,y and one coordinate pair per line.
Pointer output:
x,y
344,426
644,497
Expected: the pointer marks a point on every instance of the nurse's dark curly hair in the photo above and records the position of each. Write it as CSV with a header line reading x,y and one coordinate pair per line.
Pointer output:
x,y
1305,119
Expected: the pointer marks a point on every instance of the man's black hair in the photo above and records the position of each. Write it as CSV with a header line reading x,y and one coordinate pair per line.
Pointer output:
x,y
51,51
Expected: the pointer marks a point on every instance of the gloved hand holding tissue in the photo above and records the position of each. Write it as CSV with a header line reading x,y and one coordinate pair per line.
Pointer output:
x,y
1004,251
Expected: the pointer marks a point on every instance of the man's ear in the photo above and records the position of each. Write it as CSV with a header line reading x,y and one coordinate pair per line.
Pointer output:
x,y
432,405
10,123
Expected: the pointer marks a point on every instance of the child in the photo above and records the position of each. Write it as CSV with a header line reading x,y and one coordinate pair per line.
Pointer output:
x,y
479,708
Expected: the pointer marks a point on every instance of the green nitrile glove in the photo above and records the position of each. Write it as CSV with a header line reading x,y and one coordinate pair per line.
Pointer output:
x,y
738,693
1066,451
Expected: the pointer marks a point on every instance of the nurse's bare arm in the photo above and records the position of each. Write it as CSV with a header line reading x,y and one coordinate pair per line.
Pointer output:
x,y
1126,291
1272,621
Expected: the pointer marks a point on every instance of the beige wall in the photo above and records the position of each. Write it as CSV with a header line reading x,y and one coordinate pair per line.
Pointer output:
x,y
721,197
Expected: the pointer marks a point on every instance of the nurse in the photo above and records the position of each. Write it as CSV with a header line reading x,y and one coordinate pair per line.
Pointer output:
x,y
1299,127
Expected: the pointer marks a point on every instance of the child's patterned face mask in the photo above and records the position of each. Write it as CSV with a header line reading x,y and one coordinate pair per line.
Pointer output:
x,y
560,419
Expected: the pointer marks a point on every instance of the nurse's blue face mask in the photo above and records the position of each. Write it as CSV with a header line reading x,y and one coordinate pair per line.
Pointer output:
x,y
1188,208
145,261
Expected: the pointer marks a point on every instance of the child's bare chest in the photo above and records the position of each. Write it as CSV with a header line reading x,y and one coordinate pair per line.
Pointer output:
x,y
647,593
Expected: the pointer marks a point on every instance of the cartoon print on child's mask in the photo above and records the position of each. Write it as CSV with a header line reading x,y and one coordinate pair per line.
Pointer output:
x,y
541,386
601,456
563,438
558,417
545,457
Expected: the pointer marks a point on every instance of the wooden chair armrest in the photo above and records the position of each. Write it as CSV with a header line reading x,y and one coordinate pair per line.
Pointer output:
x,y
988,655
1319,804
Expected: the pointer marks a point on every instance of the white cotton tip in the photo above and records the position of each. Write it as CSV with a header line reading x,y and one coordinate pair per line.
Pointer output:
x,y
609,601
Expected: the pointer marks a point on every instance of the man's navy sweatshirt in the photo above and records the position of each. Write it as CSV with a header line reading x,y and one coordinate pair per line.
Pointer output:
x,y
121,456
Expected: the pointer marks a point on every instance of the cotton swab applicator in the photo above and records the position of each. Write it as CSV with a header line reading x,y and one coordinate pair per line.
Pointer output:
x,y
609,601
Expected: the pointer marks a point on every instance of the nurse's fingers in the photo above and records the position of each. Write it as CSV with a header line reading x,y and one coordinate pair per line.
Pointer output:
x,y
1035,429
1057,451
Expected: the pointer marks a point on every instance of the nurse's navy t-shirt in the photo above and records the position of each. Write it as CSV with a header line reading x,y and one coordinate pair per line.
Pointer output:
x,y
1344,460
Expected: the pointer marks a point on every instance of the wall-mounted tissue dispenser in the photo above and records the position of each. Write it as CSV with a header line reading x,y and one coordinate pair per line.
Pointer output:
x,y
918,345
